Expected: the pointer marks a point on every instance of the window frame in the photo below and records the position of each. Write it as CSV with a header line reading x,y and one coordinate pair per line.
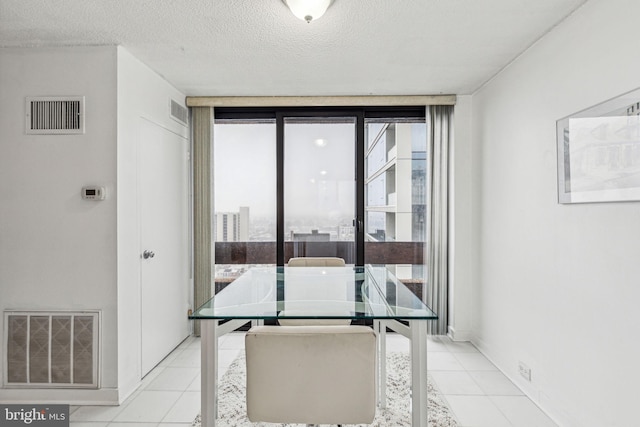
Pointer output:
x,y
361,115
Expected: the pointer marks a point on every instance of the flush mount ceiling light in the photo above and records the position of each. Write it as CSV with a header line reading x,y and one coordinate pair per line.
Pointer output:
x,y
308,10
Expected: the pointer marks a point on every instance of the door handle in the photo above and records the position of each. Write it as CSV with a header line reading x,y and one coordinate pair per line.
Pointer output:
x,y
148,254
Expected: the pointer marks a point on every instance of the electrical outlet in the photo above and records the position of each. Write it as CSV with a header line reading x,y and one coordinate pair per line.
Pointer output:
x,y
525,371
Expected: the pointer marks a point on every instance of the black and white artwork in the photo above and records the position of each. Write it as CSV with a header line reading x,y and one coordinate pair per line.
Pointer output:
x,y
599,152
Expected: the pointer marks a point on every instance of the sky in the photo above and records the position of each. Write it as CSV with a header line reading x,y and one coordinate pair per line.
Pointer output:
x,y
319,169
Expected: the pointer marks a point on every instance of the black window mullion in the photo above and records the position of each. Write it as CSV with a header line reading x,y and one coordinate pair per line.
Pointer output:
x,y
280,188
360,190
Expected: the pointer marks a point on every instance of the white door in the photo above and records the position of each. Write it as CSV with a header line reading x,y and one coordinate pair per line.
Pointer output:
x,y
163,198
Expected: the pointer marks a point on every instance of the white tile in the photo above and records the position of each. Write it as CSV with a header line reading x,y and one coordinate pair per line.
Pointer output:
x,y
187,358
165,403
185,409
476,411
95,413
441,361
495,383
475,362
196,384
177,379
151,376
455,382
189,342
195,343
232,341
460,347
435,343
113,424
148,406
132,396
522,412
171,357
87,424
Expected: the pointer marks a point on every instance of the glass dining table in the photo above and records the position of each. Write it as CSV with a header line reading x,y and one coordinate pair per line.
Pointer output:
x,y
356,293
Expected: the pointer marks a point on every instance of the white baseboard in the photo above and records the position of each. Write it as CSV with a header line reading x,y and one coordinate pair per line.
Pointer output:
x,y
59,396
459,335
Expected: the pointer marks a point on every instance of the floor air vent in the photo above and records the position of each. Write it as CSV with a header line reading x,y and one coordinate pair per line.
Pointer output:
x,y
55,115
51,349
179,113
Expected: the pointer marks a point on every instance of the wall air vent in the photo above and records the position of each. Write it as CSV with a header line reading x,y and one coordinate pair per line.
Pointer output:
x,y
51,349
55,115
179,113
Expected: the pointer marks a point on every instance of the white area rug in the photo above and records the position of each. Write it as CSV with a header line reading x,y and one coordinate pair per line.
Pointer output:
x,y
232,405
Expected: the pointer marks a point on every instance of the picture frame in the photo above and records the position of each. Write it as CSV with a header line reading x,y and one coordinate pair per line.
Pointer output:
x,y
599,152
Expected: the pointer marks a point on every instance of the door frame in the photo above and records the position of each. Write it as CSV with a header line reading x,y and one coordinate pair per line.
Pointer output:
x,y
358,115
150,356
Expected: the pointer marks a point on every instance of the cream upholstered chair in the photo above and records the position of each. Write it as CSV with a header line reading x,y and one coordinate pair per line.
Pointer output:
x,y
316,262
313,262
311,374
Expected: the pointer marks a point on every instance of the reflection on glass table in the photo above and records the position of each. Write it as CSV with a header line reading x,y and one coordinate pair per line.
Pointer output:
x,y
369,292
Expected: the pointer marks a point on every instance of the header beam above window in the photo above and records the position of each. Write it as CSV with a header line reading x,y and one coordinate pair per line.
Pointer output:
x,y
330,114
319,101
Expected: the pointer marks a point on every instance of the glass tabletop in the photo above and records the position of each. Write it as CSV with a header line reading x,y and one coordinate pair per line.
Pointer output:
x,y
369,292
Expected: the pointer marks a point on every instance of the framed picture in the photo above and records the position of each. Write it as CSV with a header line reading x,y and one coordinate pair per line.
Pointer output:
x,y
599,152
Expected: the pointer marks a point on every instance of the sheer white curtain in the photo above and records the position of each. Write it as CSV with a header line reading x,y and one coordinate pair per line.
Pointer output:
x,y
439,134
202,125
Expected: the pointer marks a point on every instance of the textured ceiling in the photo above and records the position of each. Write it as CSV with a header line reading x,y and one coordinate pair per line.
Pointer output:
x,y
257,47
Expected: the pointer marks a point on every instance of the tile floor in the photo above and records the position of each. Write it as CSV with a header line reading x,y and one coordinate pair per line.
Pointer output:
x,y
477,392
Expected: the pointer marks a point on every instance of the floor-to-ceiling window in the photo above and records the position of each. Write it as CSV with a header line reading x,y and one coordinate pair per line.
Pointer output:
x,y
244,196
319,187
346,182
395,204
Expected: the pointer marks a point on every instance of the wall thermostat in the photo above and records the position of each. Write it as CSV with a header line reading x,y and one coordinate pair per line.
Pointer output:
x,y
93,193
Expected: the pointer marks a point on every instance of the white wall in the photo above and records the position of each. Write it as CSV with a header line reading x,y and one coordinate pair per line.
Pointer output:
x,y
58,251
461,253
142,95
557,285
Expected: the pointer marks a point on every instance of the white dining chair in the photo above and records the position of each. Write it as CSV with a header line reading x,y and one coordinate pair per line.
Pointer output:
x,y
309,310
311,374
316,262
